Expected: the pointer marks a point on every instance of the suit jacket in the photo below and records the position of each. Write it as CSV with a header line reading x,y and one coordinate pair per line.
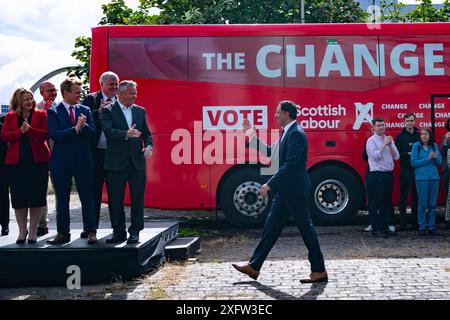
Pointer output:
x,y
3,145
93,101
37,134
291,180
120,150
70,149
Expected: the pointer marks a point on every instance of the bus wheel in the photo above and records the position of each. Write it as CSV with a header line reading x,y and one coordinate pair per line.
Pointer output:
x,y
337,195
241,200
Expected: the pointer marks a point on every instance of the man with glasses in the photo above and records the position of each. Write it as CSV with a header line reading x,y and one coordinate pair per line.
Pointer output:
x,y
48,93
404,141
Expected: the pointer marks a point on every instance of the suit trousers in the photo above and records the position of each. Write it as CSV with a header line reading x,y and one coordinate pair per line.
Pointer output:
x,y
407,182
4,198
99,179
279,214
116,182
62,179
382,199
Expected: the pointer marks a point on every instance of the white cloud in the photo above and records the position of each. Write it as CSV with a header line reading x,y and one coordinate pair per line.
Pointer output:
x,y
37,37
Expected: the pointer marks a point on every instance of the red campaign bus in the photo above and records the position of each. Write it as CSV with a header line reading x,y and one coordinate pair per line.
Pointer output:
x,y
198,82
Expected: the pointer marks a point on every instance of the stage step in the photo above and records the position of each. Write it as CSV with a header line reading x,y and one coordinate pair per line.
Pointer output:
x,y
182,248
42,264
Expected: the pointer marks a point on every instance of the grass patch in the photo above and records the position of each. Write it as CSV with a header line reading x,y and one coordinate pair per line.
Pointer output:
x,y
157,294
188,232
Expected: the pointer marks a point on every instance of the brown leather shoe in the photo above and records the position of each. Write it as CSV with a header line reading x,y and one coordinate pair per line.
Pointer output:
x,y
316,277
92,237
59,239
248,270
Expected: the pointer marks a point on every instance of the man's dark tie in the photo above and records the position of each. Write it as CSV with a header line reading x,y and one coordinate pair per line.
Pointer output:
x,y
72,115
281,135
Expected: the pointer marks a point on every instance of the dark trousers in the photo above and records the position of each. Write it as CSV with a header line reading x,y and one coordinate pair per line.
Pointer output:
x,y
445,178
277,219
116,182
382,199
62,179
4,198
99,179
369,189
407,182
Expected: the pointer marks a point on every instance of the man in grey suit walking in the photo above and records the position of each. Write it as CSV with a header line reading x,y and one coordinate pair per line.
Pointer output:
x,y
129,144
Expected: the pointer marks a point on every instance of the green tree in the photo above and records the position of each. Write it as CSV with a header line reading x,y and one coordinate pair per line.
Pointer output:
x,y
423,12
259,11
217,12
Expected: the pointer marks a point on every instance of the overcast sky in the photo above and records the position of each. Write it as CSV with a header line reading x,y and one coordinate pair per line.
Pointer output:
x,y
37,36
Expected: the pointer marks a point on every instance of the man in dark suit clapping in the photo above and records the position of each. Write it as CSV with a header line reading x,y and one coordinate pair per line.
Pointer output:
x,y
292,190
71,126
109,82
129,144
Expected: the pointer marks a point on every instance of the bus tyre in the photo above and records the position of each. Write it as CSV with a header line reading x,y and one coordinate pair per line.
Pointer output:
x,y
337,195
241,200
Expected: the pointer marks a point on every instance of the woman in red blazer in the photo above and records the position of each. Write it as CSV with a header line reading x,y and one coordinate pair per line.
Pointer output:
x,y
27,157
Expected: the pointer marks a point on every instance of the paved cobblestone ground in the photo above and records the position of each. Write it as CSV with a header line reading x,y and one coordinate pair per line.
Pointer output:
x,y
360,267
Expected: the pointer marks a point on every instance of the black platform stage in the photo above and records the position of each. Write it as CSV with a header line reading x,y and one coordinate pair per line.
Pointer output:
x,y
42,264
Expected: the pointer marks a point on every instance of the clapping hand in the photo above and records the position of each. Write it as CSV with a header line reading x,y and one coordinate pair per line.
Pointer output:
x,y
104,103
25,126
388,140
433,155
81,123
47,104
133,133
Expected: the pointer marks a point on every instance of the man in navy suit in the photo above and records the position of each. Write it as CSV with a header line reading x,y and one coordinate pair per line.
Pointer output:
x,y
292,190
71,127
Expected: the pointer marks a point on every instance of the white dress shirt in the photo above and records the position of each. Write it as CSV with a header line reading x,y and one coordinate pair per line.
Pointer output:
x,y
68,111
102,143
127,113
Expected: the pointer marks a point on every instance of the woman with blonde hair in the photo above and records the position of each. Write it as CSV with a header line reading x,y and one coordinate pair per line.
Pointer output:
x,y
25,131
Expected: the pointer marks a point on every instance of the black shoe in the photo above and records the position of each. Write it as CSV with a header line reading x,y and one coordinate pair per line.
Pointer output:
x,y
433,232
116,239
41,231
5,231
402,227
31,241
133,238
392,233
422,233
84,234
379,234
22,241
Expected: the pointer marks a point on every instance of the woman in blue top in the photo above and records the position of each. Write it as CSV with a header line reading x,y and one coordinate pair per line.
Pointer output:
x,y
425,159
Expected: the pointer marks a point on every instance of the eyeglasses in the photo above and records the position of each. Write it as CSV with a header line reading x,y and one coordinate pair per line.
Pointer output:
x,y
51,90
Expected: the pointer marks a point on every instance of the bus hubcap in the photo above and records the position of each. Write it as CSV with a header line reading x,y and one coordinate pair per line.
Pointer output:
x,y
331,196
248,200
